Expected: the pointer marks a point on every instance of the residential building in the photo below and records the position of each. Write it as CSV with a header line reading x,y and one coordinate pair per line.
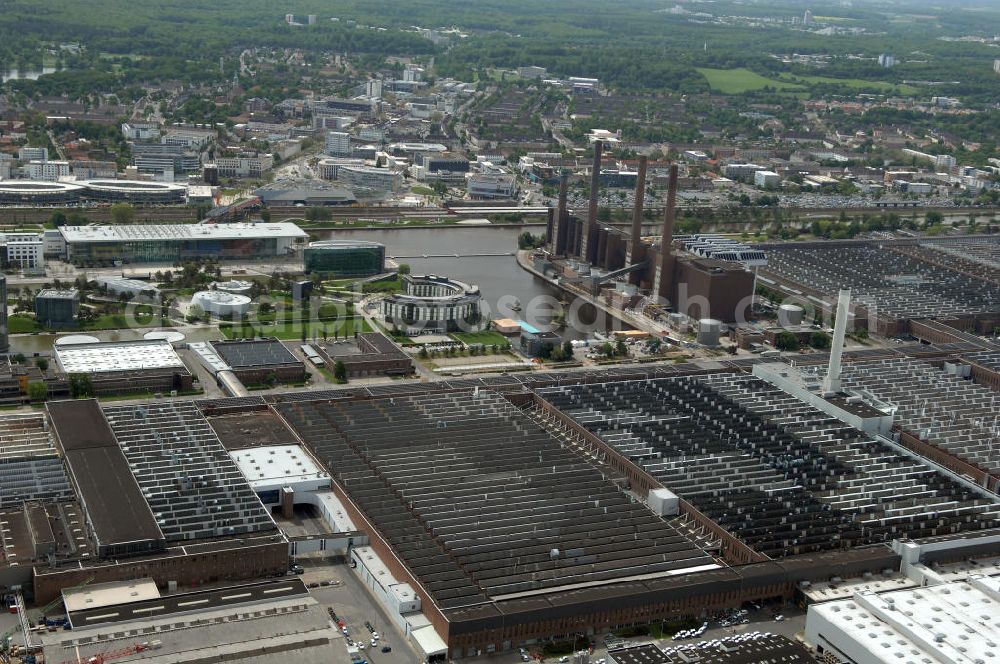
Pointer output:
x,y
140,131
50,171
886,60
338,144
28,153
373,88
532,72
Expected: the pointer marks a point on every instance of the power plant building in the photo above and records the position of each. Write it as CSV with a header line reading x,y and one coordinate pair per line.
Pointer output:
x,y
344,258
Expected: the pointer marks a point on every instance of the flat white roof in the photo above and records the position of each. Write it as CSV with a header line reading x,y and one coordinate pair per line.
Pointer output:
x,y
117,356
178,232
264,466
97,595
955,622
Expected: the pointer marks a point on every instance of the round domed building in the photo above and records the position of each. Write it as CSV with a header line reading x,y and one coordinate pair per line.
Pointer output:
x,y
430,302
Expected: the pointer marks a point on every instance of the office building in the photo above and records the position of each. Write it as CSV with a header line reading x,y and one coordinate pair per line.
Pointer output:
x,y
105,245
247,165
161,157
23,251
344,258
338,144
532,72
140,131
366,177
4,332
492,187
432,303
766,179
57,308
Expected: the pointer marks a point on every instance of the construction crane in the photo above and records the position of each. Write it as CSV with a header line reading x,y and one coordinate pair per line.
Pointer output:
x,y
109,655
37,613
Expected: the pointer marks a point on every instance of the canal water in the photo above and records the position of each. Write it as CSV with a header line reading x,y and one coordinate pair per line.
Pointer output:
x,y
504,285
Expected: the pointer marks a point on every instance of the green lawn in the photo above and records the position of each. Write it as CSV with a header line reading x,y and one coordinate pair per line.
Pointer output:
x,y
856,83
486,337
292,331
422,191
22,324
735,81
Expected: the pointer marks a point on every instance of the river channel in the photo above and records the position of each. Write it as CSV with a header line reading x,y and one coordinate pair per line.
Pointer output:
x,y
503,284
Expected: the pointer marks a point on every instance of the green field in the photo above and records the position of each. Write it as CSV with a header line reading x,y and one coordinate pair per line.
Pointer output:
x,y
735,81
293,331
486,337
856,83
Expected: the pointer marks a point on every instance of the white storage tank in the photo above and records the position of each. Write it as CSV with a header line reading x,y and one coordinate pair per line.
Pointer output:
x,y
709,331
790,315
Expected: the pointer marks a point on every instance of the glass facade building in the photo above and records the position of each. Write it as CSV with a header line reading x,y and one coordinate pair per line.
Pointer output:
x,y
335,258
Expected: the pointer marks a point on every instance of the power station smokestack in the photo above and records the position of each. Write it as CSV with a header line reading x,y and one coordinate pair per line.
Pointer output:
x,y
666,272
595,189
640,195
831,384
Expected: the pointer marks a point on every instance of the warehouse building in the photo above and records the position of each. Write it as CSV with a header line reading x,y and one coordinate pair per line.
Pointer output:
x,y
950,622
123,367
369,354
111,245
260,361
345,258
264,622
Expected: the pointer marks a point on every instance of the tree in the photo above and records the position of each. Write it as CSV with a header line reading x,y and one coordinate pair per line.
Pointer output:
x,y
786,341
439,187
340,372
38,391
58,219
568,349
42,363
933,218
122,213
404,268
318,213
265,216
80,386
620,348
819,340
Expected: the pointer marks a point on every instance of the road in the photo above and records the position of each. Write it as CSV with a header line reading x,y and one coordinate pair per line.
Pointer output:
x,y
354,605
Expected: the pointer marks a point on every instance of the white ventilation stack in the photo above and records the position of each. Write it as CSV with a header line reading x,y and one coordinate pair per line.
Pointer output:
x,y
831,384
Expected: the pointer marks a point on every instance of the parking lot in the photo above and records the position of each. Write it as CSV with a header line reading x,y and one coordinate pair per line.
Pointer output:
x,y
352,603
762,620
